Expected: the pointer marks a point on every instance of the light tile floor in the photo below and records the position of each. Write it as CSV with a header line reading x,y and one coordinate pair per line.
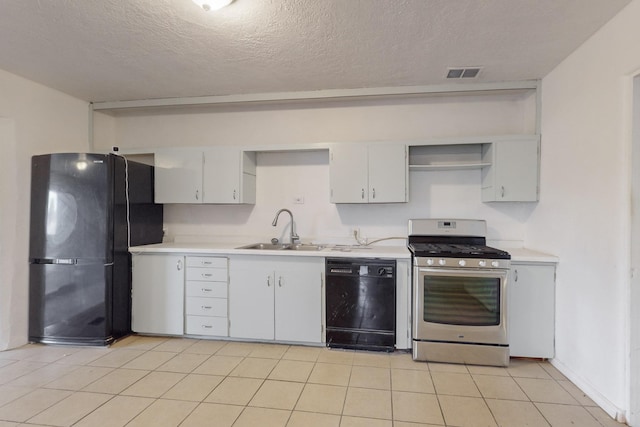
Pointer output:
x,y
157,381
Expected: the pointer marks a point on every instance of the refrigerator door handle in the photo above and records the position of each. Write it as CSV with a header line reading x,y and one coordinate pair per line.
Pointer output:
x,y
63,261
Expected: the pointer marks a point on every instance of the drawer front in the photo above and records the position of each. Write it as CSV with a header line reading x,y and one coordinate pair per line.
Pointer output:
x,y
207,274
207,289
200,325
207,306
206,261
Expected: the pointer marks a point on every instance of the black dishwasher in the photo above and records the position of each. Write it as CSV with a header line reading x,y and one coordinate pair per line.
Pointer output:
x,y
361,303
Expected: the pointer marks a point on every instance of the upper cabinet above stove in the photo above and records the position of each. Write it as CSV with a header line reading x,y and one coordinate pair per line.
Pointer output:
x,y
509,164
512,172
368,173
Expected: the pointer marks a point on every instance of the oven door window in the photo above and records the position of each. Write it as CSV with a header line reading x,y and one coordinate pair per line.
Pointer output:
x,y
473,301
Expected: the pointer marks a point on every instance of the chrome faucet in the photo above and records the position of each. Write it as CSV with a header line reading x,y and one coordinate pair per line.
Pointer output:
x,y
294,236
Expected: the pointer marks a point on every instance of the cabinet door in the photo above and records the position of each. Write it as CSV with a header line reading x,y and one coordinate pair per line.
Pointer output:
x,y
178,176
531,310
387,173
222,175
251,293
229,176
158,294
517,172
298,300
348,173
513,174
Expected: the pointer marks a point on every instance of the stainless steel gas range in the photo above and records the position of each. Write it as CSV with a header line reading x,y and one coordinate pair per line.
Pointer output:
x,y
459,293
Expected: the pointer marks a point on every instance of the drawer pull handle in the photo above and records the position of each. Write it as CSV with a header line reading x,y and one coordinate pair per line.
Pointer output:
x,y
206,307
207,326
207,274
206,263
206,290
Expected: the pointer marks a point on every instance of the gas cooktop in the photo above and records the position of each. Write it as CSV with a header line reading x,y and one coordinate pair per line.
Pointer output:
x,y
451,238
457,250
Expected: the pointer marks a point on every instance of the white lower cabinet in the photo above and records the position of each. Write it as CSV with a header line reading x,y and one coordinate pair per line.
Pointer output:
x,y
531,310
276,298
206,302
158,294
174,295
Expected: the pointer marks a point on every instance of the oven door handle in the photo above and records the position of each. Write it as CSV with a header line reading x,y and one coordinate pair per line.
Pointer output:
x,y
461,272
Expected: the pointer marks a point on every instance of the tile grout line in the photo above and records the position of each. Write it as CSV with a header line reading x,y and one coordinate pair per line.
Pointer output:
x,y
484,399
435,390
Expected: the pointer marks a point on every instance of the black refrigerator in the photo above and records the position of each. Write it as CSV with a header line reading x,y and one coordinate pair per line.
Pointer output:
x,y
86,209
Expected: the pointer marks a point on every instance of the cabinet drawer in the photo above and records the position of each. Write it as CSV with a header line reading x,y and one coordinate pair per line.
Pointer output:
x,y
207,306
207,274
200,325
202,261
207,289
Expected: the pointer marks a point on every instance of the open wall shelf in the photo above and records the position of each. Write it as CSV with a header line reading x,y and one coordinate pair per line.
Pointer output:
x,y
446,157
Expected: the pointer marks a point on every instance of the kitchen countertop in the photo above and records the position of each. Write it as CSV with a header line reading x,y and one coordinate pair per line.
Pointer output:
x,y
212,248
529,255
343,251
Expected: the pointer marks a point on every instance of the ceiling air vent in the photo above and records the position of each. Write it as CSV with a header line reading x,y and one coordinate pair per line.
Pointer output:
x,y
463,73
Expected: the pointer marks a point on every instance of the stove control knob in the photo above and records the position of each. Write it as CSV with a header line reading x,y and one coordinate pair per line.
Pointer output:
x,y
429,261
442,261
482,263
495,263
462,263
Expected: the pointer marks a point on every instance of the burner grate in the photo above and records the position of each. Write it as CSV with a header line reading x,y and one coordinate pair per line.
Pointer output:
x,y
456,250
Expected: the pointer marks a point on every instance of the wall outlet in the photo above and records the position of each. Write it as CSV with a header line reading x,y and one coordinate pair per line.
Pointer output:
x,y
298,200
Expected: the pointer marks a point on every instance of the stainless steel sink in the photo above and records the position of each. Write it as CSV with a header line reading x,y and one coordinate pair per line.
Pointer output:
x,y
283,246
306,247
266,246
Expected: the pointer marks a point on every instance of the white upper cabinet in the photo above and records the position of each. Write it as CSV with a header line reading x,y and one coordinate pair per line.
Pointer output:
x,y
229,176
349,173
178,176
512,175
216,175
368,173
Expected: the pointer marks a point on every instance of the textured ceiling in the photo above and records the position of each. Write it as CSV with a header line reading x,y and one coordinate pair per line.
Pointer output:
x,y
108,50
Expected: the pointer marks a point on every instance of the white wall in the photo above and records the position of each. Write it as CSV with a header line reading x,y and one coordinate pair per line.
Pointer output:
x,y
634,294
283,175
584,213
309,122
35,120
